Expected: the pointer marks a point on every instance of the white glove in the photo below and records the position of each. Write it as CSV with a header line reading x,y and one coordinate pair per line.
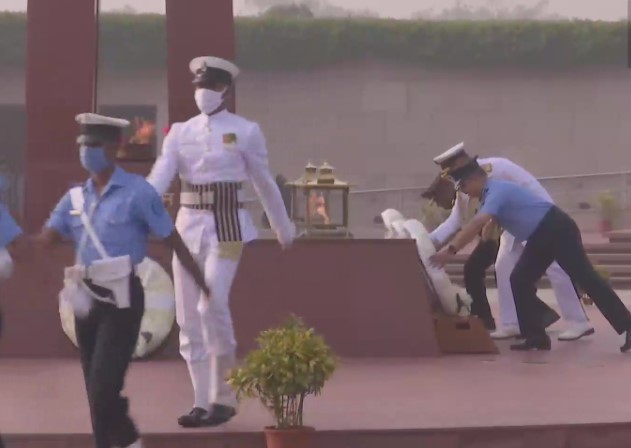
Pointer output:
x,y
78,299
6,265
287,237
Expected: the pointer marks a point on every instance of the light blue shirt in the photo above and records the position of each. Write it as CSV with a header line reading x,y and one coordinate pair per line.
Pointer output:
x,y
516,209
128,211
9,229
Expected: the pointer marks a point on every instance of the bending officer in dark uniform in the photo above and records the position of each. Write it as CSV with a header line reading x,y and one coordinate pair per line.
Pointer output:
x,y
551,235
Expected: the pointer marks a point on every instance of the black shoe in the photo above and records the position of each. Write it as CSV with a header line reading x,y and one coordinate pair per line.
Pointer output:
x,y
540,343
627,342
550,317
489,324
220,414
197,418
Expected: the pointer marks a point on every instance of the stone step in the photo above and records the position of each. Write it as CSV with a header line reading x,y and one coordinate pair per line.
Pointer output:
x,y
609,248
619,236
613,270
596,258
618,282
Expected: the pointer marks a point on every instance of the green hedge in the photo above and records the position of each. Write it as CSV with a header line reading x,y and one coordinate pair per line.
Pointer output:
x,y
137,41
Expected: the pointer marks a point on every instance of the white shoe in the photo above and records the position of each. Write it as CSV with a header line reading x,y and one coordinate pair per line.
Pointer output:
x,y
576,332
136,444
506,333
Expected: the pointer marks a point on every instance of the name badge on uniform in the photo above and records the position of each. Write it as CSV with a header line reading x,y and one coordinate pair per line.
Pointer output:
x,y
487,167
229,140
75,212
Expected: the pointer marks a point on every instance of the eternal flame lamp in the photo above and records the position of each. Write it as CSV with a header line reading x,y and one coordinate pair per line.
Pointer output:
x,y
319,204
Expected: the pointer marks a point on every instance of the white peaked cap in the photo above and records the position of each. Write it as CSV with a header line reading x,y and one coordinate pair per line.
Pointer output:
x,y
101,120
214,62
450,153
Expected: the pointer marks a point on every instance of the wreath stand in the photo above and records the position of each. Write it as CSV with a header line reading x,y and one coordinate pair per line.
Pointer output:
x,y
458,334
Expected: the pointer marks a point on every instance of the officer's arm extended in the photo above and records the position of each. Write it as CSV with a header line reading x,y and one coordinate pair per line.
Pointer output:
x,y
470,230
152,211
491,207
464,237
445,231
57,227
174,241
165,168
10,234
256,160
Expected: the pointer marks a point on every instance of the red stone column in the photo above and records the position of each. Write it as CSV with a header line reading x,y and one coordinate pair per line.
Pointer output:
x,y
194,28
60,83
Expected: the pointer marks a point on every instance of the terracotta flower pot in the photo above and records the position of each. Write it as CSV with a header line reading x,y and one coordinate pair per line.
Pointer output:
x,y
301,437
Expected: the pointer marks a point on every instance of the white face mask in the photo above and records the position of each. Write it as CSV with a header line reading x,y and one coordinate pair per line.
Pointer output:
x,y
208,101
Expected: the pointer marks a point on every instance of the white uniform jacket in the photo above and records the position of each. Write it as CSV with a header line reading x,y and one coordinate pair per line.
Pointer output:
x,y
222,148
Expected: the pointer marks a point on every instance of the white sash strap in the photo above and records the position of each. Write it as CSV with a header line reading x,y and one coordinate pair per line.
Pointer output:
x,y
110,273
78,203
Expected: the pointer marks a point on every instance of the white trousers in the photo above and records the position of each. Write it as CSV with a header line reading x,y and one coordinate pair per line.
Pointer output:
x,y
207,341
564,290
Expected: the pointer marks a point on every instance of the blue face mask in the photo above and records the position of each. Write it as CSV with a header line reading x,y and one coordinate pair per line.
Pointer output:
x,y
93,159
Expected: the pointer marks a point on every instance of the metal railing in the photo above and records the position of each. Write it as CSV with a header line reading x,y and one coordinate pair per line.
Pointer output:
x,y
576,194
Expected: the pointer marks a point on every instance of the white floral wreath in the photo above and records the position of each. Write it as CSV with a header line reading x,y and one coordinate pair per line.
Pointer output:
x,y
454,300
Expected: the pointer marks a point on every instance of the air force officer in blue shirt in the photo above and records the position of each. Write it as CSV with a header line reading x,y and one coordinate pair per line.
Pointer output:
x,y
551,235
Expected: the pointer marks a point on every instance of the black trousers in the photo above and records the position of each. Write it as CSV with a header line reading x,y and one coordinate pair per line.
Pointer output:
x,y
557,238
107,338
482,257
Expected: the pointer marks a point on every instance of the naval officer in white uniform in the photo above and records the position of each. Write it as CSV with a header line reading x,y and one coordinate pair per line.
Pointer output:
x,y
510,250
213,153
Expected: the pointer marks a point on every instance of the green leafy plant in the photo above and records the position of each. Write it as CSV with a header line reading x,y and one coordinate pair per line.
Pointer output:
x,y
136,41
292,362
608,206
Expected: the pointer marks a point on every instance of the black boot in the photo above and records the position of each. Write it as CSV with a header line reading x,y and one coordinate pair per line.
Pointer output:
x,y
197,418
536,343
489,324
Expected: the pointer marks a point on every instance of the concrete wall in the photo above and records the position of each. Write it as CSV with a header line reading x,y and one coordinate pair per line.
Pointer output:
x,y
380,125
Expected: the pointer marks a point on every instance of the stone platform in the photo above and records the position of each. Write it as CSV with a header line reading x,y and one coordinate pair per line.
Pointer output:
x,y
575,396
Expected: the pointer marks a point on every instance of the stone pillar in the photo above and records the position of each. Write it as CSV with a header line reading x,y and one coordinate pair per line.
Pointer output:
x,y
61,64
194,28
60,83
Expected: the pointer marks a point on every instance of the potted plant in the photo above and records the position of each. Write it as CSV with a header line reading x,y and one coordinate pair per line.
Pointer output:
x,y
604,274
292,362
608,211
